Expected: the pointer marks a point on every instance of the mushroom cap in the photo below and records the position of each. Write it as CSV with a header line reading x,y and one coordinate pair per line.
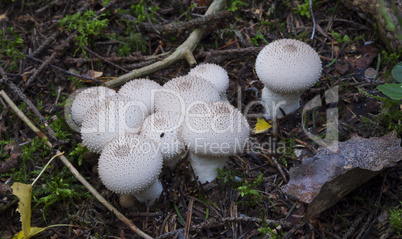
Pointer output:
x,y
164,127
181,92
129,163
110,118
213,73
215,129
288,65
86,99
141,90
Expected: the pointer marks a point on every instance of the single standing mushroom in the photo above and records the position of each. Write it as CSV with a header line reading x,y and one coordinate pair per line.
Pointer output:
x,y
163,127
215,74
131,164
141,90
213,132
86,99
181,92
116,115
287,67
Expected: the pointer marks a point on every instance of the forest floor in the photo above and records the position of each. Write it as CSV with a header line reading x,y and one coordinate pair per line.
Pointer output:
x,y
48,56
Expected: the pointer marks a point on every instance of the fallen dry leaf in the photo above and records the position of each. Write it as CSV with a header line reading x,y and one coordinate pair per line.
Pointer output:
x,y
325,178
94,74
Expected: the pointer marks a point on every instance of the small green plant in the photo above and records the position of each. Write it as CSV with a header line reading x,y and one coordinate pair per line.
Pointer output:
x,y
267,232
88,26
258,37
341,39
390,58
134,42
10,43
142,9
288,150
56,189
228,176
304,9
78,152
235,5
253,196
395,219
393,90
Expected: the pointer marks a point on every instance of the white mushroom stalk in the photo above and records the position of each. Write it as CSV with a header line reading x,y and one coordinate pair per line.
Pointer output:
x,y
115,116
181,92
131,164
86,99
141,90
164,127
215,74
213,132
287,67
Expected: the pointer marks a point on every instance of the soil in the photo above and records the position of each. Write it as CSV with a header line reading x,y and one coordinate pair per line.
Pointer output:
x,y
52,70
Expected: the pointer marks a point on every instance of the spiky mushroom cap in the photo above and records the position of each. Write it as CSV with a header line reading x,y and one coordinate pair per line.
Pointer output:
x,y
86,99
130,164
142,90
215,129
213,73
288,65
116,115
164,128
181,92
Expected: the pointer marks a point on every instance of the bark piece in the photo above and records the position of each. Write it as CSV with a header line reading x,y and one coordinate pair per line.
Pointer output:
x,y
325,178
371,11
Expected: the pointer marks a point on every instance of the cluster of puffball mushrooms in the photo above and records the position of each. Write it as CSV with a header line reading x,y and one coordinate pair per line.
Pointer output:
x,y
145,126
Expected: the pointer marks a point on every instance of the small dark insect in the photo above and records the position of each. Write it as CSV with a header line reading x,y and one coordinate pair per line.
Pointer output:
x,y
163,134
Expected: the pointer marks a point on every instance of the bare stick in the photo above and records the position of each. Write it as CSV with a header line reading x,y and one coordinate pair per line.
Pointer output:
x,y
184,51
73,169
29,103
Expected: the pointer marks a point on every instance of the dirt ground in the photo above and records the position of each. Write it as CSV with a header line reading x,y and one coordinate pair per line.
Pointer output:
x,y
46,68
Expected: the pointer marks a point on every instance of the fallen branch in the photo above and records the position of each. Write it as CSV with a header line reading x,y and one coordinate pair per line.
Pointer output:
x,y
184,51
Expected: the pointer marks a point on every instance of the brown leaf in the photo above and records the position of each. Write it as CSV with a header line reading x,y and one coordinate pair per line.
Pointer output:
x,y
94,74
9,164
325,178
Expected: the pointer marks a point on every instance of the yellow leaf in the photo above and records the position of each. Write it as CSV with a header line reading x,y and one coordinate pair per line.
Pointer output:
x,y
24,193
261,126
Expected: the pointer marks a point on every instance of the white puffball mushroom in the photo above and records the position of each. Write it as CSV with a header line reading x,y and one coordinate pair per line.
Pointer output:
x,y
131,164
86,99
215,74
164,127
287,67
116,115
141,90
213,132
181,92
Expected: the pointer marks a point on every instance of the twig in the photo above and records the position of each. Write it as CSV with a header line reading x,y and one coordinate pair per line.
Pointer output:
x,y
105,59
184,51
221,221
29,103
74,170
67,72
189,215
51,58
44,44
174,28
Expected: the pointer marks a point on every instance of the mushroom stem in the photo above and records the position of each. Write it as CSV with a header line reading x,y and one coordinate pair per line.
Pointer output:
x,y
288,102
205,167
150,194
